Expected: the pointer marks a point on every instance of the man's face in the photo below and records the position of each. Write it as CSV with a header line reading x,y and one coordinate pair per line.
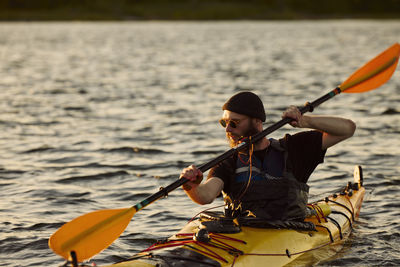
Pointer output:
x,y
245,126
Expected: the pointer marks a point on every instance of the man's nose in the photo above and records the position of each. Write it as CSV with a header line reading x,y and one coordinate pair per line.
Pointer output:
x,y
228,128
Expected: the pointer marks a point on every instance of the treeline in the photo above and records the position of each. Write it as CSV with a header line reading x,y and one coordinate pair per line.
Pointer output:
x,y
195,9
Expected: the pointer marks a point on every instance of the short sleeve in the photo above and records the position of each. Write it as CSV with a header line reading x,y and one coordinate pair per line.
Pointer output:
x,y
224,171
305,153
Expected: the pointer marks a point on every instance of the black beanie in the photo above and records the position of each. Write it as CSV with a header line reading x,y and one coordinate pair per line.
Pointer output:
x,y
246,103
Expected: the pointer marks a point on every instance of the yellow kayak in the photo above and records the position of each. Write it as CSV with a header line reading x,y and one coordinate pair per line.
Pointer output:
x,y
213,240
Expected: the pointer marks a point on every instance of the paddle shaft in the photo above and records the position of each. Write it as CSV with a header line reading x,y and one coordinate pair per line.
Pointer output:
x,y
308,107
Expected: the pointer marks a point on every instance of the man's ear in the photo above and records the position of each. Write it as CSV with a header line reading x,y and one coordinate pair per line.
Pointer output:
x,y
257,122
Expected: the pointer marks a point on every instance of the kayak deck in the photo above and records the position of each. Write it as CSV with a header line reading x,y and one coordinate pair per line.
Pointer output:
x,y
197,244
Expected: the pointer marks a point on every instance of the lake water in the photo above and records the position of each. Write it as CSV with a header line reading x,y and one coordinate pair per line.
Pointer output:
x,y
100,115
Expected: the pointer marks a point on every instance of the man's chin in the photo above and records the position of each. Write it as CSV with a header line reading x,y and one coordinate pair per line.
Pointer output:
x,y
233,142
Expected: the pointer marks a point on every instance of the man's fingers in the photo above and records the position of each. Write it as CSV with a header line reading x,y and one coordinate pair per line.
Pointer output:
x,y
192,173
293,113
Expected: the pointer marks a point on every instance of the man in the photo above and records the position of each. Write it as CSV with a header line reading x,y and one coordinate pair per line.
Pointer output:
x,y
268,180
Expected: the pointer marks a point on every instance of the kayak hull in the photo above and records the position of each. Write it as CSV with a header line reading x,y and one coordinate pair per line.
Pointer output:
x,y
250,246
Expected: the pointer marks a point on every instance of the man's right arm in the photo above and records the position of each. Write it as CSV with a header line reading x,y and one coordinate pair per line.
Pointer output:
x,y
201,193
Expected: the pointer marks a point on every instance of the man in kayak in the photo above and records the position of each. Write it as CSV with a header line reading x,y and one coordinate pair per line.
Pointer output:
x,y
268,180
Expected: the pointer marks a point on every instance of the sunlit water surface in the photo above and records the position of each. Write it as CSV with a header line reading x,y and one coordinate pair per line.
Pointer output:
x,y
100,115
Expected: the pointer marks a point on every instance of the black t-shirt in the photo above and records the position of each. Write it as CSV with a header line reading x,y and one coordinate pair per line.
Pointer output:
x,y
304,154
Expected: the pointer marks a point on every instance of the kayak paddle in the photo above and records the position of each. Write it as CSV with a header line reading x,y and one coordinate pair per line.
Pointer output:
x,y
91,233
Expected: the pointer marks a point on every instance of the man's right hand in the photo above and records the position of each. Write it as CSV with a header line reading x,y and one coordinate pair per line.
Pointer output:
x,y
194,175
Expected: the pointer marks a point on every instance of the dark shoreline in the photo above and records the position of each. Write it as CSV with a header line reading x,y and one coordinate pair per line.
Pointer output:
x,y
126,10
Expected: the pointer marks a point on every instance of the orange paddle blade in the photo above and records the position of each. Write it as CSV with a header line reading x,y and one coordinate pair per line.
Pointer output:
x,y
89,234
373,74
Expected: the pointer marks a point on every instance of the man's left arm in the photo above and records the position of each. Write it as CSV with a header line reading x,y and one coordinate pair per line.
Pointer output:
x,y
334,129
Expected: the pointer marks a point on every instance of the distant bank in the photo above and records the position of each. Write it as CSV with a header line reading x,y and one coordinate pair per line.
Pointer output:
x,y
17,10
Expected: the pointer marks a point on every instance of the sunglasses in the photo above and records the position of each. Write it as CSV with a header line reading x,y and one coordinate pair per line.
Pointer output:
x,y
233,123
